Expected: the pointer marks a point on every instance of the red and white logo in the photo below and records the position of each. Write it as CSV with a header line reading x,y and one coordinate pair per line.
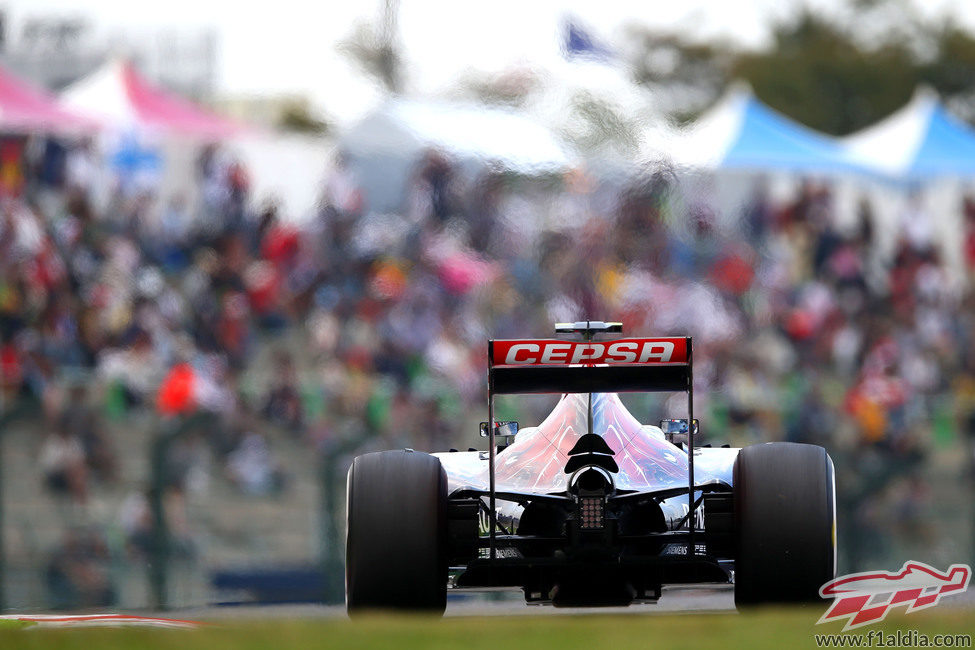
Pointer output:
x,y
621,351
866,598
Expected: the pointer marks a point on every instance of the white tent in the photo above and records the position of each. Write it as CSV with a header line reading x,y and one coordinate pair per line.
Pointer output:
x,y
465,131
740,143
287,167
122,99
931,154
384,146
157,131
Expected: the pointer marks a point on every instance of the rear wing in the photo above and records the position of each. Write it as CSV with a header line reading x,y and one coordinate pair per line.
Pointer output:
x,y
616,366
621,365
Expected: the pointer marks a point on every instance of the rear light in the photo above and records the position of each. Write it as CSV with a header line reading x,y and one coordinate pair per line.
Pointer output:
x,y
592,513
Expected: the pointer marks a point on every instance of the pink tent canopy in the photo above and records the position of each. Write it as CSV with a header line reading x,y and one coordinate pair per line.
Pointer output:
x,y
119,96
26,109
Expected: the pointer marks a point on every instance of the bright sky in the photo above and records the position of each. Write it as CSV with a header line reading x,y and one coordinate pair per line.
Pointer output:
x,y
290,45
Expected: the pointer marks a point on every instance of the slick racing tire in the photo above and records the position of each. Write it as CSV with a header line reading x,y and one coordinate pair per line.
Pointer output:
x,y
395,553
785,523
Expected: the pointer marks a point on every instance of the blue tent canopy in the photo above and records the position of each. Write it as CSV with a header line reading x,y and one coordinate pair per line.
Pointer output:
x,y
741,132
922,140
767,138
948,147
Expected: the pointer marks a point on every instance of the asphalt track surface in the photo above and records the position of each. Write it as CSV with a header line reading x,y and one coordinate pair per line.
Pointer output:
x,y
701,599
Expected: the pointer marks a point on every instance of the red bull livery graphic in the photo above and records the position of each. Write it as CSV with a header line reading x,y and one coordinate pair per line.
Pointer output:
x,y
866,598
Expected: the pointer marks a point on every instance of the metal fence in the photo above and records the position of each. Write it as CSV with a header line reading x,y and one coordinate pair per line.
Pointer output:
x,y
174,522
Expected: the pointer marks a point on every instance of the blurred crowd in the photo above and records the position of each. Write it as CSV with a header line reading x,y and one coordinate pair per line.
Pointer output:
x,y
353,331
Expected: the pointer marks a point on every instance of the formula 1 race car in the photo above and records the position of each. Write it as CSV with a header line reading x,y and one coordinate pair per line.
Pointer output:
x,y
589,508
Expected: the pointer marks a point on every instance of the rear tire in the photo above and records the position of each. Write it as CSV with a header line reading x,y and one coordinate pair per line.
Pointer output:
x,y
785,523
395,556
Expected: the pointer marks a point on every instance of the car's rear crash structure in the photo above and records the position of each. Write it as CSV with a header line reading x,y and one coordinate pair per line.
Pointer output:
x,y
589,508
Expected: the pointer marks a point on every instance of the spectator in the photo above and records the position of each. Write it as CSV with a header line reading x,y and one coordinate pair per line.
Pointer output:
x,y
283,403
64,465
78,575
81,423
252,468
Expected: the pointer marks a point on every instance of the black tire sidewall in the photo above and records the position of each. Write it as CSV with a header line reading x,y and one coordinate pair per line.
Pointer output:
x,y
784,523
396,533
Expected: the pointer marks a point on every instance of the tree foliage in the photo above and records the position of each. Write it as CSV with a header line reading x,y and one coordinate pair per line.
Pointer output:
x,y
298,119
822,77
835,74
372,48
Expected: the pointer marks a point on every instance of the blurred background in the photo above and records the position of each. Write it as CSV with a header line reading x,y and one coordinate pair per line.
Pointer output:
x,y
240,245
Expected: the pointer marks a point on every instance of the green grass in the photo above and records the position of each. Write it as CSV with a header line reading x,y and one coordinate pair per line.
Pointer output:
x,y
792,628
